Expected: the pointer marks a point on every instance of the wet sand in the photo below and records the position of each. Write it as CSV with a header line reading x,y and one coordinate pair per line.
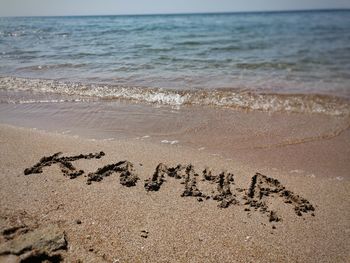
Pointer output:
x,y
312,144
107,221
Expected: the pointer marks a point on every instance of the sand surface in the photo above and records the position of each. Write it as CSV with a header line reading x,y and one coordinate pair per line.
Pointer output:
x,y
109,222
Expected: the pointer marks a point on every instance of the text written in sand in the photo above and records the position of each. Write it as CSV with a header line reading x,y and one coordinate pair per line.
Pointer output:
x,y
255,197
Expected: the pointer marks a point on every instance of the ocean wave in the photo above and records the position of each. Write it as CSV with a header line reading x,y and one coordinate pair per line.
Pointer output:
x,y
227,48
236,99
190,43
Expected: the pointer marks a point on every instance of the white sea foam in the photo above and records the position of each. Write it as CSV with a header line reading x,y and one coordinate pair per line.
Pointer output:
x,y
176,98
170,142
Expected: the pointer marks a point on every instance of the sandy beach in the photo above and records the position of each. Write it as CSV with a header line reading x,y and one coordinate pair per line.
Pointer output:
x,y
106,221
218,134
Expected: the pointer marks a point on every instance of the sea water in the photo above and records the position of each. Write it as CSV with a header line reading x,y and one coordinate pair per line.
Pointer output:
x,y
276,52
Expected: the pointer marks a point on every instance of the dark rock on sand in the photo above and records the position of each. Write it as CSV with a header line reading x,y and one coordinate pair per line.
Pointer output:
x,y
11,232
36,246
144,233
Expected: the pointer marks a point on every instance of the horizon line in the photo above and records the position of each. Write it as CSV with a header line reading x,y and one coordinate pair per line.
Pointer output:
x,y
187,13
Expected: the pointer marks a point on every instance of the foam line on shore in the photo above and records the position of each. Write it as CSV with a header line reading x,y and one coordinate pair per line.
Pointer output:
x,y
228,98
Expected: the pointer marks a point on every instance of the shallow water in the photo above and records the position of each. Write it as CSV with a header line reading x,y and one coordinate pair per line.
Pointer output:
x,y
191,125
314,143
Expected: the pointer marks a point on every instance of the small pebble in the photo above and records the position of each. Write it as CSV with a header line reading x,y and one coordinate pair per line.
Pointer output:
x,y
144,233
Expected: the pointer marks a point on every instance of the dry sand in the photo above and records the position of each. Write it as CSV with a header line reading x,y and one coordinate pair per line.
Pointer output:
x,y
109,222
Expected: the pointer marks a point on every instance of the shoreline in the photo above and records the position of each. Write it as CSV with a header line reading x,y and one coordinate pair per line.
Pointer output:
x,y
312,144
20,90
112,216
